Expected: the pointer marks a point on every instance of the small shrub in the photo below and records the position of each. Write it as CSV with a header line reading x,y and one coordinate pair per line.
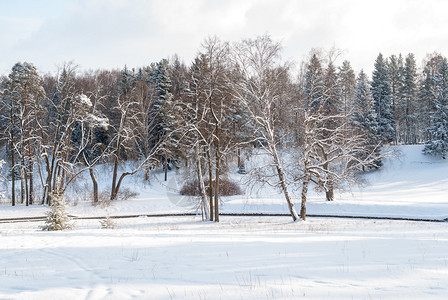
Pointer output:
x,y
103,199
226,188
126,194
107,223
57,216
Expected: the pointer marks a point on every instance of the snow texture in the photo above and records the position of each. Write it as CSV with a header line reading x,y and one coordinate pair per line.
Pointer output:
x,y
242,257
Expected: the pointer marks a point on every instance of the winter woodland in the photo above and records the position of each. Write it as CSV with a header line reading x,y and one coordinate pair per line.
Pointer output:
x,y
233,100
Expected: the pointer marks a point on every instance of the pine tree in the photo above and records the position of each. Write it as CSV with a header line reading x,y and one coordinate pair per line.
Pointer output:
x,y
381,92
162,111
25,92
424,102
438,131
363,119
161,108
408,94
314,83
347,86
57,216
425,95
396,76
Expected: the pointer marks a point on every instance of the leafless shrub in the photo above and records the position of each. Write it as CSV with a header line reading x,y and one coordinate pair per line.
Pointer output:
x,y
126,194
227,188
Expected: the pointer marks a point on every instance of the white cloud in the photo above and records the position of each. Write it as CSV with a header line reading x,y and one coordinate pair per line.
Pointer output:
x,y
110,34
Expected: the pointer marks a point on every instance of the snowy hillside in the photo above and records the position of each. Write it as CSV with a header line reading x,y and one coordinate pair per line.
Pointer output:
x,y
242,257
410,185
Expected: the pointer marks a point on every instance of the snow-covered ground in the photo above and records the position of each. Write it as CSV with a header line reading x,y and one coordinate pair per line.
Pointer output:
x,y
242,257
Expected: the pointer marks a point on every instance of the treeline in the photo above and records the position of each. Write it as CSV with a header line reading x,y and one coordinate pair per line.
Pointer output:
x,y
232,98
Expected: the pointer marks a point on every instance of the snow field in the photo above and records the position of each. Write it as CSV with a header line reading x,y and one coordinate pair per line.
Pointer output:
x,y
239,258
242,257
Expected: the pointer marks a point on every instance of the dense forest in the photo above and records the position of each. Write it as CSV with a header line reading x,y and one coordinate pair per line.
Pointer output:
x,y
231,99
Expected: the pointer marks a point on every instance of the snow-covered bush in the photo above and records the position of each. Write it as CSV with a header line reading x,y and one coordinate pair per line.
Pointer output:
x,y
57,216
107,223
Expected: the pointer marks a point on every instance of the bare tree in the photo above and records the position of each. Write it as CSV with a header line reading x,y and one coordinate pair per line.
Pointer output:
x,y
333,152
91,152
206,120
55,132
259,91
127,132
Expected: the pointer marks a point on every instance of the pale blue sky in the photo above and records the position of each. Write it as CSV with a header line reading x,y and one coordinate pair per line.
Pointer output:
x,y
112,33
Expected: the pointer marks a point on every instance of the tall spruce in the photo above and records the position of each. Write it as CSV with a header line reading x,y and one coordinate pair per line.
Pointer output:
x,y
425,95
363,118
407,105
396,70
382,96
438,131
347,86
161,112
314,84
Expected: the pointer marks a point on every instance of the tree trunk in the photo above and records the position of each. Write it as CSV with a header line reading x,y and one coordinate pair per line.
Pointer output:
x,y
284,186
210,188
238,153
166,165
13,175
205,204
95,186
217,183
24,183
30,160
305,183
146,174
120,180
31,183
113,193
329,193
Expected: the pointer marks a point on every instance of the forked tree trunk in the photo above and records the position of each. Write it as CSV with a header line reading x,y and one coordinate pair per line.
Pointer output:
x,y
203,192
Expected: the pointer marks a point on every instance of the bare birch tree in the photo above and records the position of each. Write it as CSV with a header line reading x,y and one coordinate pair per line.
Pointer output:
x,y
257,89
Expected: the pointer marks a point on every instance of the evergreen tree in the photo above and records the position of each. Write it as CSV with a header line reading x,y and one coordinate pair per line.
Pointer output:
x,y
128,81
347,86
424,102
396,76
25,92
57,216
161,113
425,95
314,83
408,94
363,119
438,131
381,92
161,108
